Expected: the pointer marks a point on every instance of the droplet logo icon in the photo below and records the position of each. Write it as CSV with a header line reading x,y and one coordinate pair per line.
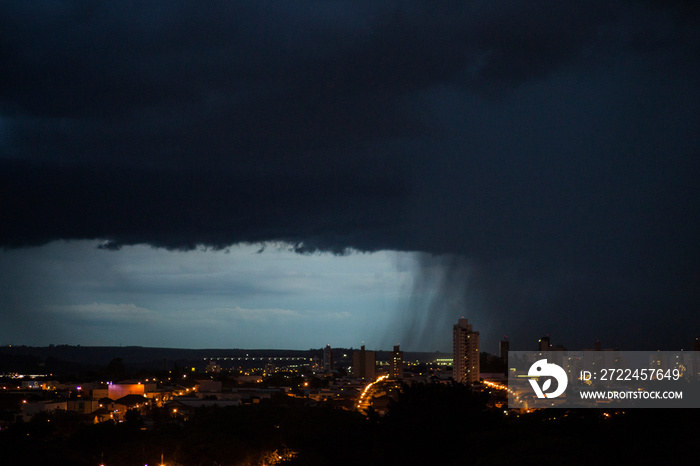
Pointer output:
x,y
541,369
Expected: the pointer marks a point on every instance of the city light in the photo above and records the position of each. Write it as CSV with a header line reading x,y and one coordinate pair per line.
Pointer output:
x,y
498,386
361,400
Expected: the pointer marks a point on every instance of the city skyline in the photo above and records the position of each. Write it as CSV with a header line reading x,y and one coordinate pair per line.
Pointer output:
x,y
262,175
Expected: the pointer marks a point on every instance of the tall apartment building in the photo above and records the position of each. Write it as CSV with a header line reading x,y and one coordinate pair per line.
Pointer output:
x,y
465,352
364,364
396,364
328,358
503,348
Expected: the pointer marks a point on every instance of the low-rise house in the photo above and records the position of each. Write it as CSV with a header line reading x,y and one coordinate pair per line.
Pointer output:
x,y
29,409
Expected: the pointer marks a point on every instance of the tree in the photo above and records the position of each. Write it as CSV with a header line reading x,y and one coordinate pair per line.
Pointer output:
x,y
115,370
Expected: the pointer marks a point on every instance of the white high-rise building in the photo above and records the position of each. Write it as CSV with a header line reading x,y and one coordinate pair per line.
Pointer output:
x,y
465,353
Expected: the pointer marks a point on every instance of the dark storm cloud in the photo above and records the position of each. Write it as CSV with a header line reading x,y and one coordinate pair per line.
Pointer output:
x,y
560,137
235,122
183,209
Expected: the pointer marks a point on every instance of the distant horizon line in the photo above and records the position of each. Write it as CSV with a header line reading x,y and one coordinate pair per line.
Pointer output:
x,y
321,348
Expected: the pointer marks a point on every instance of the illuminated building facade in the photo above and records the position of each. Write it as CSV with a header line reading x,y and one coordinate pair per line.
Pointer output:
x,y
396,365
121,389
465,351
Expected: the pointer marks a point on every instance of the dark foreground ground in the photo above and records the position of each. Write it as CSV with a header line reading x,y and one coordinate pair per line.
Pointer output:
x,y
430,424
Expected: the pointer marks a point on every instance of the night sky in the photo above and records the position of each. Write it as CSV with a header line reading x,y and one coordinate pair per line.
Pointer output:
x,y
291,174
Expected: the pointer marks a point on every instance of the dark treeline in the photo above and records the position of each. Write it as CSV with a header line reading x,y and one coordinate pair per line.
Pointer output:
x,y
429,424
67,359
